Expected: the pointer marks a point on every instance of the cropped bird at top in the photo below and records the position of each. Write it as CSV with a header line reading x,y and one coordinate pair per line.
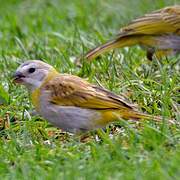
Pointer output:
x,y
158,32
70,102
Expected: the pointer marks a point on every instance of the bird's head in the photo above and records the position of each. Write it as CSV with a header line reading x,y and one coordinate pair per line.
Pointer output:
x,y
32,73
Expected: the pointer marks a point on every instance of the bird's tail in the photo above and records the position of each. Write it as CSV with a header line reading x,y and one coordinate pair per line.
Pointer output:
x,y
136,115
119,42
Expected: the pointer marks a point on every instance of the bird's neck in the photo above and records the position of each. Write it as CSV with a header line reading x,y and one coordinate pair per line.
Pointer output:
x,y
52,73
36,93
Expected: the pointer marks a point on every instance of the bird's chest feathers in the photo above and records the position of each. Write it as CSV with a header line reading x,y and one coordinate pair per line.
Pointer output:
x,y
37,93
35,97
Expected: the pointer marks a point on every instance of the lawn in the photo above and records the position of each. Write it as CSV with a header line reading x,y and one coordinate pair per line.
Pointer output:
x,y
58,32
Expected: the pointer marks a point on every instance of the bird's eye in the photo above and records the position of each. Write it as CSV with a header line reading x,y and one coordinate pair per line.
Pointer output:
x,y
31,70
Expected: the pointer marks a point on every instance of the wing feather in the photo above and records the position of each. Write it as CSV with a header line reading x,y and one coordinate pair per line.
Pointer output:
x,y
163,21
67,90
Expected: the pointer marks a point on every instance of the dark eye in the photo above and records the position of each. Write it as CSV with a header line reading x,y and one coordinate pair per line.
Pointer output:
x,y
31,70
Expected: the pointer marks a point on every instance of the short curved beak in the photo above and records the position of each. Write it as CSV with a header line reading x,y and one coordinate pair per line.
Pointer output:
x,y
18,77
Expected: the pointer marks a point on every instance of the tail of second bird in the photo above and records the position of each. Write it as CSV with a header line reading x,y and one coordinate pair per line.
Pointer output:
x,y
119,42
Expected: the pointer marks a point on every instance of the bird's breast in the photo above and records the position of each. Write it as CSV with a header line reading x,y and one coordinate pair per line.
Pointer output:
x,y
35,97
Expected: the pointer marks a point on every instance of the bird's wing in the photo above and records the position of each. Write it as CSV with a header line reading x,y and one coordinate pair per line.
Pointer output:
x,y
67,90
163,21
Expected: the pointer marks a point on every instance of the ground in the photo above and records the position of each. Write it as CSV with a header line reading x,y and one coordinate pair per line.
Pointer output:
x,y
58,32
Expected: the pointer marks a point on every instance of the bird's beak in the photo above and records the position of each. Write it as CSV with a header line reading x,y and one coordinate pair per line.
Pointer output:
x,y
18,77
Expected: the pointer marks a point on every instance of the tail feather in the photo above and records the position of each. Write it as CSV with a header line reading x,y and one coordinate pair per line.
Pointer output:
x,y
135,115
138,115
116,43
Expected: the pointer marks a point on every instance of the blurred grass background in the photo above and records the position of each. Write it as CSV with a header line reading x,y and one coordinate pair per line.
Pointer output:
x,y
57,31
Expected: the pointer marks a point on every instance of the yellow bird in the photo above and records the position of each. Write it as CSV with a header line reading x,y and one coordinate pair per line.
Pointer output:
x,y
71,103
158,32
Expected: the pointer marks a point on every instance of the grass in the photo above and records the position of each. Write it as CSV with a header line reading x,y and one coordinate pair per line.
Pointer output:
x,y
59,31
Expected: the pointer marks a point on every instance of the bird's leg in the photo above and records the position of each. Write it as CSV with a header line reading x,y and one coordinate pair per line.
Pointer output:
x,y
149,53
